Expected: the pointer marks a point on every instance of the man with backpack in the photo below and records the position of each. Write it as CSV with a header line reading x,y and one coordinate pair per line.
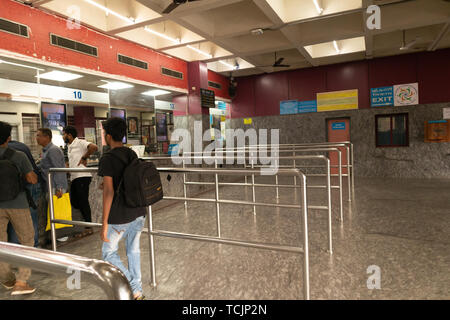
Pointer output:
x,y
15,170
33,193
119,220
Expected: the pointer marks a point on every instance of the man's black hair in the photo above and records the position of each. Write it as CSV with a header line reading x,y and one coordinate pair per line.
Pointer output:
x,y
71,130
116,128
5,131
46,132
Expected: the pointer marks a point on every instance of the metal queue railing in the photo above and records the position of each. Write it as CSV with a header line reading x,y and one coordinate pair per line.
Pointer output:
x,y
303,207
254,185
345,144
103,274
298,147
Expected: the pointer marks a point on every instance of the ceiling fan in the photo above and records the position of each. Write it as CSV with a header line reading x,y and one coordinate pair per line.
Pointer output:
x,y
175,5
410,45
277,63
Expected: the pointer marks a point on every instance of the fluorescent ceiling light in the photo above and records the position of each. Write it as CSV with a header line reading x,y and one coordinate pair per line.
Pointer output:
x,y
318,7
156,92
20,65
176,41
109,11
200,51
235,67
59,76
24,99
115,85
336,47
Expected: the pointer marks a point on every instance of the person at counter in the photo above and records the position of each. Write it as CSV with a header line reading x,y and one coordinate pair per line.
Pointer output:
x,y
52,157
79,152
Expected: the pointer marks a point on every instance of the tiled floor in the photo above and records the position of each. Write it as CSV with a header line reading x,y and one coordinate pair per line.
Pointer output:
x,y
401,226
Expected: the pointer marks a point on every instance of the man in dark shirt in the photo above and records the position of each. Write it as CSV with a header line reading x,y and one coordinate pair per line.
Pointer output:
x,y
33,189
17,212
120,221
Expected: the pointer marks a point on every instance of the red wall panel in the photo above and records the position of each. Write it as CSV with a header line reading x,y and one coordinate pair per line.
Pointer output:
x,y
270,89
304,84
38,46
354,75
393,70
433,76
223,81
244,104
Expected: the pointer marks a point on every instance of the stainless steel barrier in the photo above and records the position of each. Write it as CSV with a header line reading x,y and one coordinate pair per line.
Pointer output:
x,y
328,185
103,274
346,144
303,207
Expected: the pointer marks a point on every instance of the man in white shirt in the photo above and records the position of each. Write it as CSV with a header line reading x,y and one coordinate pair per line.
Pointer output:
x,y
78,152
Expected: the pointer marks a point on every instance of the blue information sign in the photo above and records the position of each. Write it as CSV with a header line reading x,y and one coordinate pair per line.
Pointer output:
x,y
381,97
307,106
288,107
338,126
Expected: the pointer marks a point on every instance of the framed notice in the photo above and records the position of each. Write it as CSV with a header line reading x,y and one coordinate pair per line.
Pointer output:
x,y
54,117
161,127
208,98
338,100
406,94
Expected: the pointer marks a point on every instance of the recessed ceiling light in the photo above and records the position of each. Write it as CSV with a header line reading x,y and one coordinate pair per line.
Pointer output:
x,y
176,41
156,92
318,7
115,85
20,65
200,51
109,11
59,76
336,47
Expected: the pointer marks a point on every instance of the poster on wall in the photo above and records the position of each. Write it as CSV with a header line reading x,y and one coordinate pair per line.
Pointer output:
x,y
307,106
119,113
54,117
161,127
406,94
337,100
382,97
288,107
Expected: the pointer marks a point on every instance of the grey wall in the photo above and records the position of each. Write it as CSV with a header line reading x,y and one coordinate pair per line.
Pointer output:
x,y
419,160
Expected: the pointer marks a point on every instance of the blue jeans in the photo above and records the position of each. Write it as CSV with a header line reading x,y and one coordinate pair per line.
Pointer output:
x,y
131,232
35,191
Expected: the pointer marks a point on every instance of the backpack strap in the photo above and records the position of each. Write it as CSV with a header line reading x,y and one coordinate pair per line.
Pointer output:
x,y
126,163
8,154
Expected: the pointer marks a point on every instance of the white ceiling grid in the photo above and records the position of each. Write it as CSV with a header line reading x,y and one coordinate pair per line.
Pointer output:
x,y
243,36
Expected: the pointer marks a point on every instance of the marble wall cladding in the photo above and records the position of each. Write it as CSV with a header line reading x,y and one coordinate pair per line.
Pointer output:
x,y
419,160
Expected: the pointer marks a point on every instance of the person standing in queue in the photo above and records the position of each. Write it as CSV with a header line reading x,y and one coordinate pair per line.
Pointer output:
x,y
33,193
120,221
15,170
52,157
78,152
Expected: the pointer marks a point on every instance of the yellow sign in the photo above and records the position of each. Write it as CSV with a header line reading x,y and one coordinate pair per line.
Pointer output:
x,y
247,120
338,100
223,118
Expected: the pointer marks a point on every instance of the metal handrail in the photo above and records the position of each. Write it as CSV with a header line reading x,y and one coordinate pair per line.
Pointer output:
x,y
103,274
328,186
218,239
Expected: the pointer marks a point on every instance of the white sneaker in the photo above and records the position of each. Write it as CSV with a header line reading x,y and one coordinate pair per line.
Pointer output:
x,y
63,239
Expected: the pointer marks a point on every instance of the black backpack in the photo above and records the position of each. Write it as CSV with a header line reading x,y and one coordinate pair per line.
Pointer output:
x,y
141,183
10,176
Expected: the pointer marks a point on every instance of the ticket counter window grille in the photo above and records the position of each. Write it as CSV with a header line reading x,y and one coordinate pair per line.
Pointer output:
x,y
30,124
392,130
